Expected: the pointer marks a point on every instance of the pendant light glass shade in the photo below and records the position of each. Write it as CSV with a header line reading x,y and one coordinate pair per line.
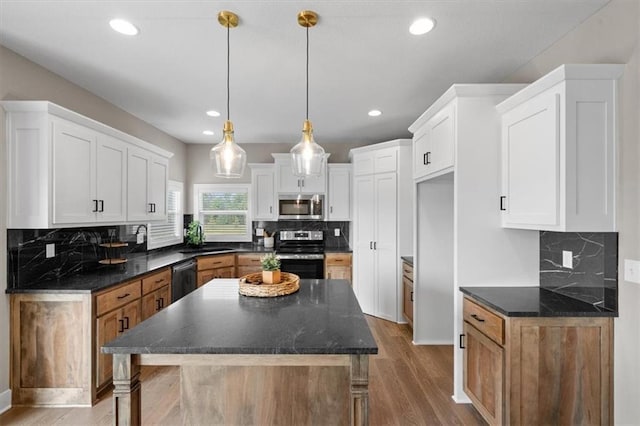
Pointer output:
x,y
307,157
230,159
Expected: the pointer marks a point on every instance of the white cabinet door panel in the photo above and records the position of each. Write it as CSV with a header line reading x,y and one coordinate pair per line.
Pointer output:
x,y
111,182
158,176
137,185
263,194
339,206
385,245
74,184
442,139
531,163
364,223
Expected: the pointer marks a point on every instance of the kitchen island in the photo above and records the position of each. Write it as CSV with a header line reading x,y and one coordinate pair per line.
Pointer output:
x,y
296,359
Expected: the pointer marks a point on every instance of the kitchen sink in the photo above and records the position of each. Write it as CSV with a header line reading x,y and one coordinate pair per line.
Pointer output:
x,y
205,250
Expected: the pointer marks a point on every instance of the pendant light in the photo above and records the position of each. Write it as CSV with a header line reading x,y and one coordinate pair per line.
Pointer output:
x,y
307,157
230,159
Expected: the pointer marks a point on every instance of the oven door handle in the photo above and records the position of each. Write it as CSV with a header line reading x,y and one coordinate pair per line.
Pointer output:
x,y
301,256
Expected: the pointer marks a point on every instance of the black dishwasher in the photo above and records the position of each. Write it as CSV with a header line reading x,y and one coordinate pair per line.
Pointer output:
x,y
184,279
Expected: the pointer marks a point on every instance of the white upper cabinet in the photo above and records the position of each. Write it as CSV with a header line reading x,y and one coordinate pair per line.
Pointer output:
x,y
434,142
66,170
376,161
263,190
339,196
287,182
558,151
147,180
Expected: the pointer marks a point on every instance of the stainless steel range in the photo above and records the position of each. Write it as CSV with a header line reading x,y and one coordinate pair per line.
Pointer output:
x,y
302,253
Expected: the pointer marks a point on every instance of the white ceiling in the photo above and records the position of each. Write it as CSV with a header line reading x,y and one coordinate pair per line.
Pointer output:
x,y
362,57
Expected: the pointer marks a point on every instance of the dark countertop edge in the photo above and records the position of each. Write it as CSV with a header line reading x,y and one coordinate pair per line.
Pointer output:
x,y
39,288
590,310
408,259
239,351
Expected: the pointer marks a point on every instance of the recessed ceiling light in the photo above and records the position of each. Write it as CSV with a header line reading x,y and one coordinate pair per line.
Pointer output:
x,y
422,26
375,113
208,132
213,113
123,27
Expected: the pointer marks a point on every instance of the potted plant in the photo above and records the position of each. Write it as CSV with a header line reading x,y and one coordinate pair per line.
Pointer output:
x,y
195,236
270,268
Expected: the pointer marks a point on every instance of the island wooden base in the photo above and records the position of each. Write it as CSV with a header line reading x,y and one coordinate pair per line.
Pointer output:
x,y
254,389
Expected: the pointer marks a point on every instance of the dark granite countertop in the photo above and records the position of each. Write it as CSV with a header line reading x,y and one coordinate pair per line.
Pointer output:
x,y
138,264
321,318
408,259
533,302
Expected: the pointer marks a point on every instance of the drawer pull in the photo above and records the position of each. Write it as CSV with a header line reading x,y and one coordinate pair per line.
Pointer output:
x,y
159,281
338,260
412,296
124,295
462,346
477,318
217,263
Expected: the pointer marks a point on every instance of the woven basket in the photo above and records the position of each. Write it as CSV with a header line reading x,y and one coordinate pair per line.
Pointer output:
x,y
252,285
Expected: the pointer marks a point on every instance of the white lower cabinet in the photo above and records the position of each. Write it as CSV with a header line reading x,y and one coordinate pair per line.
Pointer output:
x,y
67,170
382,226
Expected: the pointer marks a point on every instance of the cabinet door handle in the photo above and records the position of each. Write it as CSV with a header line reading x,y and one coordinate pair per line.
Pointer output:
x,y
302,180
124,295
121,329
424,159
462,346
162,302
101,206
270,209
502,207
158,306
95,206
331,209
375,245
298,183
150,208
126,323
154,207
412,296
370,245
477,318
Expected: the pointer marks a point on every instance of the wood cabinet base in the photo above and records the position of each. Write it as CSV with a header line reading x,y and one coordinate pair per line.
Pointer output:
x,y
254,389
547,371
51,350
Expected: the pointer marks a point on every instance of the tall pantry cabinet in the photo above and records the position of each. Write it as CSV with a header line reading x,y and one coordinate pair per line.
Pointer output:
x,y
460,240
382,230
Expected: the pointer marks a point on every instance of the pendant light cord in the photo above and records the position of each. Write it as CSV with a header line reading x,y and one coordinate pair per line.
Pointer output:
x,y
228,49
307,73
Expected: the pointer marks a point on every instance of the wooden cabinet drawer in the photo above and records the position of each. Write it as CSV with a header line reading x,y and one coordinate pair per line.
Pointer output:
x,y
485,321
155,281
212,262
117,297
338,259
250,259
407,271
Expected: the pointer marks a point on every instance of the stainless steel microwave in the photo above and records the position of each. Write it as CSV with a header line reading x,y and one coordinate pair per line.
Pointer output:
x,y
301,207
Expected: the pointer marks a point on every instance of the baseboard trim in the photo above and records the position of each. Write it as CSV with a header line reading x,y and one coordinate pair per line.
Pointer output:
x,y
433,342
5,401
461,400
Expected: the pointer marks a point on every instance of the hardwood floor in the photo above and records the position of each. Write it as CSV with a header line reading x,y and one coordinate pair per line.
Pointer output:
x,y
408,385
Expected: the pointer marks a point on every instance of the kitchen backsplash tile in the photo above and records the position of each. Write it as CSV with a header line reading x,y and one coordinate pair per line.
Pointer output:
x,y
77,250
594,277
330,240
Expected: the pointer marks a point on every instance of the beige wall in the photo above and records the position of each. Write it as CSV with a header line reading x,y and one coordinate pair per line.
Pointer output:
x,y
611,36
24,80
200,169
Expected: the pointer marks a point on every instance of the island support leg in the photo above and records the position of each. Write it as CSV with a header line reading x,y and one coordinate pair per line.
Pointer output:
x,y
126,392
359,390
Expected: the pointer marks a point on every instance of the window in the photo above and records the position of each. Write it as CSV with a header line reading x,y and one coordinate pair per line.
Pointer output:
x,y
171,232
223,211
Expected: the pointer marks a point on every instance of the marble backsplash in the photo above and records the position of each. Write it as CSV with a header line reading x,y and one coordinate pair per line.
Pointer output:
x,y
330,240
594,276
77,250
